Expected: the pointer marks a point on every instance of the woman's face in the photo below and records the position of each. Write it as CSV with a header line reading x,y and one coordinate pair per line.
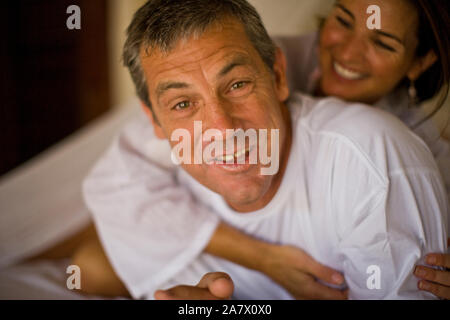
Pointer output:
x,y
363,65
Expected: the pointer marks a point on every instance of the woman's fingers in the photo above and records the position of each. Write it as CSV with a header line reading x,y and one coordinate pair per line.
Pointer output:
x,y
430,274
436,289
437,259
435,281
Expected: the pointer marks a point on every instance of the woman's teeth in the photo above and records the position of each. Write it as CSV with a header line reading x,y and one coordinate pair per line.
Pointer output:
x,y
345,73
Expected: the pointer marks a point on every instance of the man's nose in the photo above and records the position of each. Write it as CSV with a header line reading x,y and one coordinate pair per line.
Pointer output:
x,y
218,114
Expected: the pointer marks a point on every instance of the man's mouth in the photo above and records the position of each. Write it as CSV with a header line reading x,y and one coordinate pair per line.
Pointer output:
x,y
231,159
346,73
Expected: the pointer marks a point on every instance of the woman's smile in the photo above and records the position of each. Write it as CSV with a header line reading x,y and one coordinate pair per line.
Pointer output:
x,y
347,73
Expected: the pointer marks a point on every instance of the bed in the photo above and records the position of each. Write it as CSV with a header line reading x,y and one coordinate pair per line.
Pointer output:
x,y
41,204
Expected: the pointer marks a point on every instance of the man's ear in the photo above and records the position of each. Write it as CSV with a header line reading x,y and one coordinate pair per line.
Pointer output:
x,y
279,69
421,64
156,126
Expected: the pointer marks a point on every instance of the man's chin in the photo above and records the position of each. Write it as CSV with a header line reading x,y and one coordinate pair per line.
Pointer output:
x,y
240,187
241,194
242,202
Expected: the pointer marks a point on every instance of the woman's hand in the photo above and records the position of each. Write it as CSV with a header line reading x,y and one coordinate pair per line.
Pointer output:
x,y
432,280
298,273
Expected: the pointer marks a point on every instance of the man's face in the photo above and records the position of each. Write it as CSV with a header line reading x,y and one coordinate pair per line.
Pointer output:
x,y
219,79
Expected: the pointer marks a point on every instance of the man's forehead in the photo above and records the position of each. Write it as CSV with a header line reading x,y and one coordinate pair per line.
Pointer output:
x,y
227,64
217,60
225,38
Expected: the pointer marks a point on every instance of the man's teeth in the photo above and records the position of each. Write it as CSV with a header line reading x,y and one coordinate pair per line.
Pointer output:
x,y
240,153
231,157
345,73
225,158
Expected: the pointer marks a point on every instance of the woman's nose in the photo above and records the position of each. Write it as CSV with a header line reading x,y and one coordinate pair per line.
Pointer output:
x,y
352,50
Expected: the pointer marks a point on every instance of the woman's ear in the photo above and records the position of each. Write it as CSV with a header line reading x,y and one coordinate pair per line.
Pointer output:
x,y
279,69
159,132
421,65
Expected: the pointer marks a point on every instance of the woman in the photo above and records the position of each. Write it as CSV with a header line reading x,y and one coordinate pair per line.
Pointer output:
x,y
393,68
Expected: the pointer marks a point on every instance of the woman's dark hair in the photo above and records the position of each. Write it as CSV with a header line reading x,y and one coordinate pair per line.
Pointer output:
x,y
433,34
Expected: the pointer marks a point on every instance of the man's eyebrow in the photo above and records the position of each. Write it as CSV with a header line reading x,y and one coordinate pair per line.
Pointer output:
x,y
164,86
235,62
340,6
383,33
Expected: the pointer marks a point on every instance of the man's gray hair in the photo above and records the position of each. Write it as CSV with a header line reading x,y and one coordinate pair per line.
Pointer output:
x,y
162,23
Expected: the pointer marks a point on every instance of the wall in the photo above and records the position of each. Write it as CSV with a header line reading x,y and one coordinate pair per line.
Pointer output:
x,y
53,80
291,17
120,13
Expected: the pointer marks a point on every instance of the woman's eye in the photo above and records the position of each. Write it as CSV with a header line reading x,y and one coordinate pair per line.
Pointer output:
x,y
182,105
384,46
343,22
238,85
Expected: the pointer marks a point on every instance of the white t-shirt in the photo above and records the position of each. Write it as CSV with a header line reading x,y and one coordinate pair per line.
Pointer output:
x,y
360,190
148,224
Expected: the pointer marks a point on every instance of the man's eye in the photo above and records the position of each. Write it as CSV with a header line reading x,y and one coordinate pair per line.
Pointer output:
x,y
384,46
344,22
238,85
182,105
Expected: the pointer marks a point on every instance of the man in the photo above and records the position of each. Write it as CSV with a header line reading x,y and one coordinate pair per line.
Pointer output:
x,y
350,179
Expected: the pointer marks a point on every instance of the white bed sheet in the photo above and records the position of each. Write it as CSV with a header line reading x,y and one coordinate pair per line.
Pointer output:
x,y
41,202
39,280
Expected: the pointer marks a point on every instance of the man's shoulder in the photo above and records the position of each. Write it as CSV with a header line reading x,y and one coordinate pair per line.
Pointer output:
x,y
334,115
361,156
375,135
